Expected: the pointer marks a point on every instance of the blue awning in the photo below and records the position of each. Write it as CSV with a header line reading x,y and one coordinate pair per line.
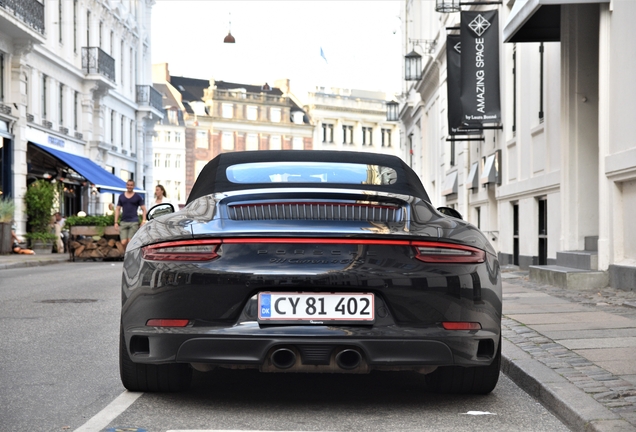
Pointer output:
x,y
102,179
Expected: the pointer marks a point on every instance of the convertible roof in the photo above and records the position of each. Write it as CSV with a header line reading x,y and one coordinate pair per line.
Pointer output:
x,y
213,179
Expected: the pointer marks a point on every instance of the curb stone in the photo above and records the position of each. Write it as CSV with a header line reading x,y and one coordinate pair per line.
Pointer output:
x,y
574,407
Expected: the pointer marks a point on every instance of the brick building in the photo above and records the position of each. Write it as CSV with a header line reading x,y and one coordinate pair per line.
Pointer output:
x,y
221,116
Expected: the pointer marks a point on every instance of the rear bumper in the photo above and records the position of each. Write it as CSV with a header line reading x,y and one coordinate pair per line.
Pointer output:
x,y
412,348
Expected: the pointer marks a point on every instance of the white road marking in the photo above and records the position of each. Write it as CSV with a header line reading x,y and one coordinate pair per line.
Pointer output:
x,y
111,412
476,413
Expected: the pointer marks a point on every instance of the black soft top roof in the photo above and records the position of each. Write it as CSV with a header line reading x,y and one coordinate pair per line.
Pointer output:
x,y
213,179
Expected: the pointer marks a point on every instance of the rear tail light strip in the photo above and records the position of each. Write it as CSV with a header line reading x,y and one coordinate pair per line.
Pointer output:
x,y
207,249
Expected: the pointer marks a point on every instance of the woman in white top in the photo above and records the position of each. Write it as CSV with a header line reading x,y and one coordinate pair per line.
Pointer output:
x,y
160,196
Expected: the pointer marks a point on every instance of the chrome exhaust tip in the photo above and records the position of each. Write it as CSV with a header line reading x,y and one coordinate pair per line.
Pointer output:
x,y
348,359
283,358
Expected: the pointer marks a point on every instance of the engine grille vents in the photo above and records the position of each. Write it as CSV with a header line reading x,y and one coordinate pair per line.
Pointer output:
x,y
317,211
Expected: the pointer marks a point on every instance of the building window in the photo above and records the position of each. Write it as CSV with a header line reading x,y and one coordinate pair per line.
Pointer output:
x,y
121,62
121,131
514,89
133,137
1,76
251,142
177,161
327,133
386,137
167,161
130,69
61,105
541,49
252,112
227,110
177,137
112,44
112,127
543,231
478,216
275,115
75,110
101,32
44,96
367,136
452,152
75,26
347,134
168,136
157,160
88,29
297,143
59,19
177,186
227,141
275,142
198,167
202,139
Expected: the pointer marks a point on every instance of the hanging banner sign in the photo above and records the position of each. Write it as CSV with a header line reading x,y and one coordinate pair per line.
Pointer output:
x,y
453,87
480,68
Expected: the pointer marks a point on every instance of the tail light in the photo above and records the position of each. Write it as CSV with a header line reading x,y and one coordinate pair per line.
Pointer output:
x,y
436,252
187,250
207,249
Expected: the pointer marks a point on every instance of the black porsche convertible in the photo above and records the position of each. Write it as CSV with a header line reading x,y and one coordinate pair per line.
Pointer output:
x,y
315,262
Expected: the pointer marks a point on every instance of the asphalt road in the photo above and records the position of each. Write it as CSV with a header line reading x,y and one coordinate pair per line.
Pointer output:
x,y
59,372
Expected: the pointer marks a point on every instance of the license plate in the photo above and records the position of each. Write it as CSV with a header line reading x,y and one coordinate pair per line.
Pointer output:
x,y
315,308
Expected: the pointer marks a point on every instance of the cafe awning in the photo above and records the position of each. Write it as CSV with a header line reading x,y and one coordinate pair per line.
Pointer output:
x,y
537,20
95,174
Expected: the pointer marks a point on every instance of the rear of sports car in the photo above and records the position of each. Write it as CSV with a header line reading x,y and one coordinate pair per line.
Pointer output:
x,y
311,280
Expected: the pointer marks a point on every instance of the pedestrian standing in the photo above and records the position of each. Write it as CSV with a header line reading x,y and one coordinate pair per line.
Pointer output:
x,y
128,205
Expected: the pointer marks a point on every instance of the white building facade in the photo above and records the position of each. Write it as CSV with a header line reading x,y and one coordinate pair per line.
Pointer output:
x,y
352,120
555,187
76,80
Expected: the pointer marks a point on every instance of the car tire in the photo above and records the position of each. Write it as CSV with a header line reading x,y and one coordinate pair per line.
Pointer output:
x,y
139,377
466,380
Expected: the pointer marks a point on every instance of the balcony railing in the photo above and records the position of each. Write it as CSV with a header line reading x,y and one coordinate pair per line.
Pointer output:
x,y
147,95
96,61
257,97
31,12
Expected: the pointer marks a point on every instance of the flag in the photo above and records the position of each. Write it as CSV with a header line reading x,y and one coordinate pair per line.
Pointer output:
x,y
322,54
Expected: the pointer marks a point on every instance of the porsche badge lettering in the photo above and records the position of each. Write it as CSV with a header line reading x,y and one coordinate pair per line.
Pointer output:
x,y
309,261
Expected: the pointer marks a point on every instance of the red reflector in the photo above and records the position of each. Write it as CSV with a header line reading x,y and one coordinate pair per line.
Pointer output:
x,y
452,325
167,322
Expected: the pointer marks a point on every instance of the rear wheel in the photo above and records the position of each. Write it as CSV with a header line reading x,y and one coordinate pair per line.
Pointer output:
x,y
140,377
466,380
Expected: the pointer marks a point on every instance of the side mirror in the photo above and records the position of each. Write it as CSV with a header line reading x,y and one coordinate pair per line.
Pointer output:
x,y
160,210
448,211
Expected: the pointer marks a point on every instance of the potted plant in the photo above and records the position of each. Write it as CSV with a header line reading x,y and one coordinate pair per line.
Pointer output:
x,y
39,199
91,225
7,209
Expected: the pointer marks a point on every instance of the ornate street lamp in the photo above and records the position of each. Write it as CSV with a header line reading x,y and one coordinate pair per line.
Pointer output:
x,y
412,66
447,6
392,111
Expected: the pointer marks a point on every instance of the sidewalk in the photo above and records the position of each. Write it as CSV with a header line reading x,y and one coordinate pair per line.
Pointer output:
x,y
19,261
573,350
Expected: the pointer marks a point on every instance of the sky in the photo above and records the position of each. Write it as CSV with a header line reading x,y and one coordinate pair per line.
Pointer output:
x,y
360,41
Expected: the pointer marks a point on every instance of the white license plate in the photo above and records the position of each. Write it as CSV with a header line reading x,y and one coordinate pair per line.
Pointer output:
x,y
315,308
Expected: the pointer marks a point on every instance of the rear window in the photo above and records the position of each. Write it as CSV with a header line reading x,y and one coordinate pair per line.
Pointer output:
x,y
310,172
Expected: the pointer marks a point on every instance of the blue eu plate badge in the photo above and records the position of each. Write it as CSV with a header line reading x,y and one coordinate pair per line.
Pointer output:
x,y
266,305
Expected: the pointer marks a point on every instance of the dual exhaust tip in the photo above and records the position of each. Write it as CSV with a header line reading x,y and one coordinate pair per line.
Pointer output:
x,y
347,359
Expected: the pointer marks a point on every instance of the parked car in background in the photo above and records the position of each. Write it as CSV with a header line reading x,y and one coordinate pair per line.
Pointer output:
x,y
310,261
